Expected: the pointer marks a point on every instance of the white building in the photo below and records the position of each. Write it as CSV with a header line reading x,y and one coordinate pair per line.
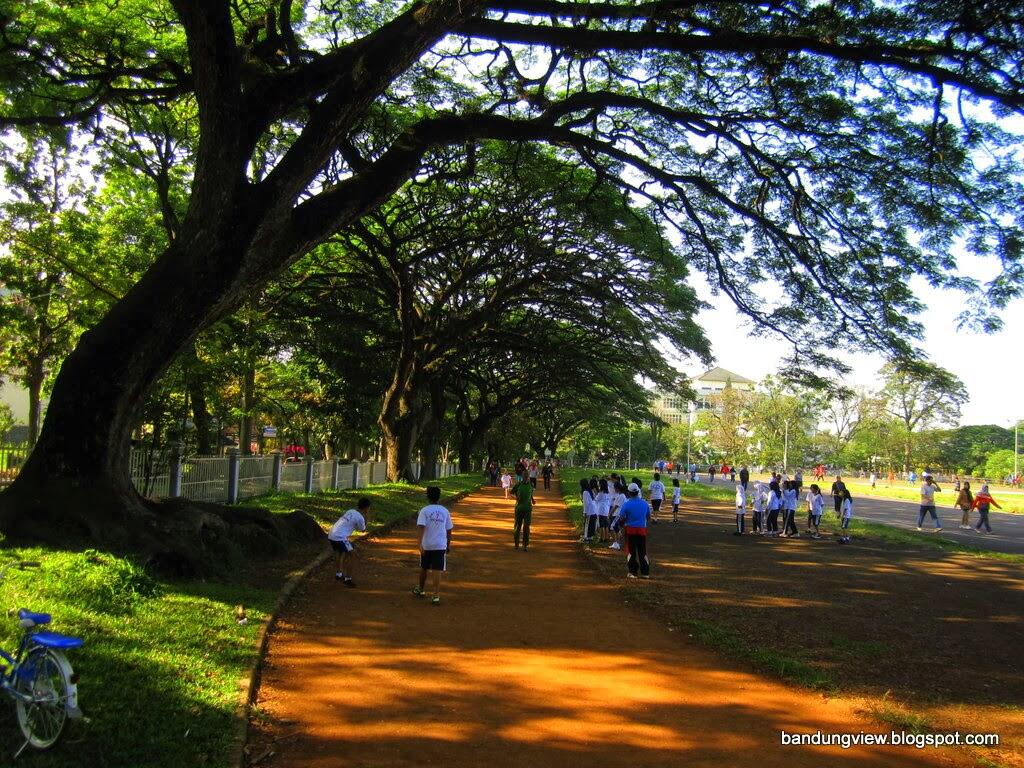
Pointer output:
x,y
674,408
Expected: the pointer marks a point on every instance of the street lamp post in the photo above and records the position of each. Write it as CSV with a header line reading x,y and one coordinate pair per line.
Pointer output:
x,y
689,432
785,446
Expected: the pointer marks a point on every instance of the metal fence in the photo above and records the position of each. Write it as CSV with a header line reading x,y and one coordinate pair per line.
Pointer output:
x,y
164,473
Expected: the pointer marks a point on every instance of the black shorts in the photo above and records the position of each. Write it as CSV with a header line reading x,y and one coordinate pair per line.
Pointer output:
x,y
433,560
655,504
602,521
341,547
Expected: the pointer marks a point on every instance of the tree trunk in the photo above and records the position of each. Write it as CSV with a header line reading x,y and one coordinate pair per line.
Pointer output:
x,y
200,416
34,383
248,395
76,484
465,451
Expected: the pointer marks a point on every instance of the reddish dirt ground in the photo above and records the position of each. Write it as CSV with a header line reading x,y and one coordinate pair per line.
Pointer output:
x,y
531,660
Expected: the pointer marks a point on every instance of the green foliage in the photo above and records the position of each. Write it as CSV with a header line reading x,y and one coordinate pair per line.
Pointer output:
x,y
999,465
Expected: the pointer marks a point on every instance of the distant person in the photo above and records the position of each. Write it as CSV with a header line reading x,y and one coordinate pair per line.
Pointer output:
x,y
693,473
965,501
798,480
711,474
677,494
872,478
589,509
618,499
741,509
344,550
533,473
547,472
846,511
604,505
523,512
744,477
506,482
758,505
789,504
774,506
838,487
928,503
956,483
656,494
815,508
982,502
634,517
435,526
892,477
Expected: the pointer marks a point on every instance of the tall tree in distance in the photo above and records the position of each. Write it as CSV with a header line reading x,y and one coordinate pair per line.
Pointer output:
x,y
921,395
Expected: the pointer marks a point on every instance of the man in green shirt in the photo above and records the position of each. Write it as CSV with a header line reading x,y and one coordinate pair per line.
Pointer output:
x,y
523,492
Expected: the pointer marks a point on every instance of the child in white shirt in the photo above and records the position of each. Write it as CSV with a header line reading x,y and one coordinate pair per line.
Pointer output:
x,y
618,499
345,550
759,501
741,509
506,482
846,510
604,504
677,494
789,502
655,494
815,507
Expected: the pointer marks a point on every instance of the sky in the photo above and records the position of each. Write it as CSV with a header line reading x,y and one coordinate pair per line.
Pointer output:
x,y
990,365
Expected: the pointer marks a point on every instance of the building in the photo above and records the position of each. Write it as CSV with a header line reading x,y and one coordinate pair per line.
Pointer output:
x,y
674,409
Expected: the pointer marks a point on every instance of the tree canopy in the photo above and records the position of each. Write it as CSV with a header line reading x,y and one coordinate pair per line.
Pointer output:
x,y
809,159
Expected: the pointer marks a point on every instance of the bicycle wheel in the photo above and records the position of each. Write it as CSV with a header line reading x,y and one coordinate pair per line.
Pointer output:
x,y
43,678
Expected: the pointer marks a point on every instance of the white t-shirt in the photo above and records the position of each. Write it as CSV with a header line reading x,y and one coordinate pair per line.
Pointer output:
x,y
928,495
506,480
656,490
348,522
759,498
847,508
816,503
589,503
741,500
437,521
677,494
617,501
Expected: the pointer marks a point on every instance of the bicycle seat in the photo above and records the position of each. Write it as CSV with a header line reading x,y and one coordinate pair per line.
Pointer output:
x,y
35,618
55,640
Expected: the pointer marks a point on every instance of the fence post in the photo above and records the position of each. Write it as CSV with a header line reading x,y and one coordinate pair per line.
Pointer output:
x,y
175,472
275,472
355,475
335,472
234,465
308,484
369,472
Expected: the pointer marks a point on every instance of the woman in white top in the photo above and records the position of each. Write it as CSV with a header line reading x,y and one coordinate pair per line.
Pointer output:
x,y
846,510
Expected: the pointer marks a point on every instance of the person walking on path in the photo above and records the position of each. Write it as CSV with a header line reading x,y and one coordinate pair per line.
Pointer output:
x,y
982,502
547,472
533,473
434,523
656,494
965,501
928,503
506,482
523,492
345,550
634,515
837,494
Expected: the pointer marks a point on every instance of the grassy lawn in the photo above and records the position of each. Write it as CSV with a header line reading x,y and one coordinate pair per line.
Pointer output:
x,y
920,632
162,660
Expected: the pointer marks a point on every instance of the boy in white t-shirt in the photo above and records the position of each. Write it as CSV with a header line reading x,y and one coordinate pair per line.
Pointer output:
x,y
345,550
434,523
759,508
741,509
815,508
677,496
506,482
655,494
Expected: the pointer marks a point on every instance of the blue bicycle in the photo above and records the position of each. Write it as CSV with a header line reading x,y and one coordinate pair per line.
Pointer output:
x,y
39,678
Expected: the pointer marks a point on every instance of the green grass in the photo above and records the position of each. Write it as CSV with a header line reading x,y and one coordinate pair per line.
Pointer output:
x,y
899,718
162,660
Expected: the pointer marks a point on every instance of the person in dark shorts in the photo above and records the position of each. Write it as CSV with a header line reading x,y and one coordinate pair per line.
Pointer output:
x,y
345,550
634,516
837,494
434,524
523,493
547,472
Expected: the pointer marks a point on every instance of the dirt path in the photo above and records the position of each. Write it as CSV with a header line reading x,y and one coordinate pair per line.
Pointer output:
x,y
531,660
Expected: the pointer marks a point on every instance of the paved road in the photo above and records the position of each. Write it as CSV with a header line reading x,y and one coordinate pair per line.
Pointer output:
x,y
1007,535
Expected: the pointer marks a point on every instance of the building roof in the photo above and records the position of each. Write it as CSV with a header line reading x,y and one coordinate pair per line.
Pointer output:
x,y
720,374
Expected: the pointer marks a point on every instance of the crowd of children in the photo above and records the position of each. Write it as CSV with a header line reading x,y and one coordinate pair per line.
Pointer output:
x,y
781,496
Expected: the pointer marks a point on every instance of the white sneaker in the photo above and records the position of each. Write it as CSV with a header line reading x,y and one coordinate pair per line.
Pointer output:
x,y
615,545
919,527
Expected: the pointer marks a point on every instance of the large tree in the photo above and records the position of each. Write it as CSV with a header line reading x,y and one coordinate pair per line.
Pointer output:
x,y
828,147
921,395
